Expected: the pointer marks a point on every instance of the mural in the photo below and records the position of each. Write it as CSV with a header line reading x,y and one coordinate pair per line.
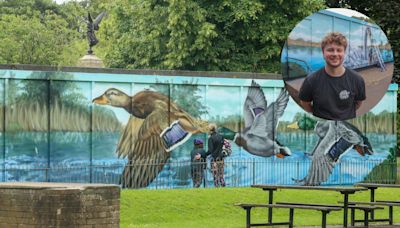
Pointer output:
x,y
137,130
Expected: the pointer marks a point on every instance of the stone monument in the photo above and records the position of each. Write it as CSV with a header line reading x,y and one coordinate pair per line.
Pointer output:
x,y
90,59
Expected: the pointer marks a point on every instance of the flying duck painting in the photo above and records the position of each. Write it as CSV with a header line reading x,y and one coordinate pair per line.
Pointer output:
x,y
156,126
335,139
260,123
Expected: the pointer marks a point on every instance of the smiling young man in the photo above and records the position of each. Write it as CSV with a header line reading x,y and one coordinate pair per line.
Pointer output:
x,y
333,92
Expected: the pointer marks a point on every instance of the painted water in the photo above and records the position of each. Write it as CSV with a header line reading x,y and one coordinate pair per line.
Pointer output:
x,y
85,157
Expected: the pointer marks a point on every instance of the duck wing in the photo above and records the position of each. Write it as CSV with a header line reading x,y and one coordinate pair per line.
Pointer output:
x,y
322,164
254,104
129,137
142,143
321,129
337,140
275,110
352,134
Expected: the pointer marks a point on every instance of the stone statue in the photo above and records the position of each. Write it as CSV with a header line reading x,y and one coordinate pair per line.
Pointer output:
x,y
91,27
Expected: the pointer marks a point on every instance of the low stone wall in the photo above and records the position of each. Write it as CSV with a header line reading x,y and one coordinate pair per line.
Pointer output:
x,y
59,205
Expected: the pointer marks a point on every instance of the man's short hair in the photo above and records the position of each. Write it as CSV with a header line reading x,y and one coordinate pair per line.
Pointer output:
x,y
336,38
212,127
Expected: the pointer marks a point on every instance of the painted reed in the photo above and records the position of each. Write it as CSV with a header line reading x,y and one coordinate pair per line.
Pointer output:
x,y
35,116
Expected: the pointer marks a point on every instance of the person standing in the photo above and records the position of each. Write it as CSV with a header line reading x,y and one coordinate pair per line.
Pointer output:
x,y
198,163
333,92
215,144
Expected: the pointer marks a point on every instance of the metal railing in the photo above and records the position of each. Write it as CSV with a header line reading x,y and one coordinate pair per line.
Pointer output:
x,y
178,174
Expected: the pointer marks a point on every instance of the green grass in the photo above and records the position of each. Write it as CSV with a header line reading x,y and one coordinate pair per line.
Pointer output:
x,y
215,207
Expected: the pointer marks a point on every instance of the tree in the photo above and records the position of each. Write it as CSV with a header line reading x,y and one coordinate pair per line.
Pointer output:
x,y
35,32
203,35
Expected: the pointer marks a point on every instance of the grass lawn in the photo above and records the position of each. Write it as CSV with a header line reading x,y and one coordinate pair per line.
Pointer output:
x,y
214,207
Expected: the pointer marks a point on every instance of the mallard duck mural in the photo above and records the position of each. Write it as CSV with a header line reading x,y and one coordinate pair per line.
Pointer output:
x,y
144,139
260,123
335,139
156,126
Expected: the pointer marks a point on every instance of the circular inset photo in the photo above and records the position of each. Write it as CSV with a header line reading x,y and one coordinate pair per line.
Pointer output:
x,y
337,64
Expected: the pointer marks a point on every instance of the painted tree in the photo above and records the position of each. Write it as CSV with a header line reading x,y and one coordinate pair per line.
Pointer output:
x,y
187,95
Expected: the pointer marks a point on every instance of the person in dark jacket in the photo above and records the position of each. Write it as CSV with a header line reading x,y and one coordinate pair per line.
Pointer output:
x,y
215,144
198,163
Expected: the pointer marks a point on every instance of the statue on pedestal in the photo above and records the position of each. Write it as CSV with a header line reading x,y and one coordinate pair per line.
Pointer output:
x,y
91,27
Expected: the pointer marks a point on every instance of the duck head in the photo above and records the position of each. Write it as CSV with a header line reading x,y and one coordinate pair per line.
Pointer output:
x,y
303,123
114,97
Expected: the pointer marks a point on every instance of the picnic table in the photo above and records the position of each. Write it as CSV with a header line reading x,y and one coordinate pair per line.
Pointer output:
x,y
372,187
345,191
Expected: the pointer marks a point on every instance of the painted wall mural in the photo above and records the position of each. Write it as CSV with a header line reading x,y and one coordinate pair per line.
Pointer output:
x,y
137,130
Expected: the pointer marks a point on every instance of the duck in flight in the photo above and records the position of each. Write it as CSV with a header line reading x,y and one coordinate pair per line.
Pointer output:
x,y
335,139
156,126
260,123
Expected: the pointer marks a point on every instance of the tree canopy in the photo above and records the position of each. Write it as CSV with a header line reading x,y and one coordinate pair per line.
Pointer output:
x,y
204,35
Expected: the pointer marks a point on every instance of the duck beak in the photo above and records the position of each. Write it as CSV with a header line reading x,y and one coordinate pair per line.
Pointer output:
x,y
101,100
294,125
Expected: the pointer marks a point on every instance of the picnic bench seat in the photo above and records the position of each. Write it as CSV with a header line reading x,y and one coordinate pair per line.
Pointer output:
x,y
353,207
390,201
248,206
387,203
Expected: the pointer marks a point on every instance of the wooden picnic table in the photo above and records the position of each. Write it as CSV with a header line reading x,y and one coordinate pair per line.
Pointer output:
x,y
345,191
372,187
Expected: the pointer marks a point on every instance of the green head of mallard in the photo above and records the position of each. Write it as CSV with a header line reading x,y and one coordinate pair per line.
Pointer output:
x,y
303,123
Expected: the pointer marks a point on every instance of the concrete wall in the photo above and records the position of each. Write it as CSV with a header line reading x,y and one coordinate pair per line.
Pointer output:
x,y
59,205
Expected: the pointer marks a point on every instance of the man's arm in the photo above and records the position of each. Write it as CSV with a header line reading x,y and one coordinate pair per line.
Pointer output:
x,y
358,104
307,105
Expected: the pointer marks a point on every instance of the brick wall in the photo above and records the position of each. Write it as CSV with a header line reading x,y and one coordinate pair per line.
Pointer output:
x,y
59,205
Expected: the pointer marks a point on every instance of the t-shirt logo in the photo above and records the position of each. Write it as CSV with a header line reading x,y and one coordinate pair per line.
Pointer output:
x,y
344,94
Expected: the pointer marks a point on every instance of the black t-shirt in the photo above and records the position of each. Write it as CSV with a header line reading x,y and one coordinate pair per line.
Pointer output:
x,y
333,98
